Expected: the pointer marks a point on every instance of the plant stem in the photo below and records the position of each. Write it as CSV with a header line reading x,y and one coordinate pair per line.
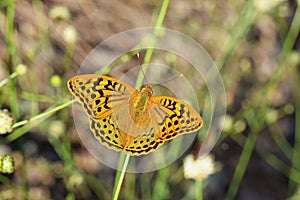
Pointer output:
x,y
198,189
245,155
16,134
11,76
43,114
239,31
289,43
120,177
149,52
9,40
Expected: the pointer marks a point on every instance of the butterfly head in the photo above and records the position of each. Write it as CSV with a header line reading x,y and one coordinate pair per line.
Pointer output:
x,y
147,90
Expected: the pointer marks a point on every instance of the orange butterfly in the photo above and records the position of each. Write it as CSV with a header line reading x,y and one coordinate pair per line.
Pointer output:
x,y
125,119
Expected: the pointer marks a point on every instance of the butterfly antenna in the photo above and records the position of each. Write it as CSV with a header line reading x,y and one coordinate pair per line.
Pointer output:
x,y
138,56
172,79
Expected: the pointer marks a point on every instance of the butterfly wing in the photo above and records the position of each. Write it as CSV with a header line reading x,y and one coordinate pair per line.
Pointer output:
x,y
171,117
144,144
96,93
108,133
101,96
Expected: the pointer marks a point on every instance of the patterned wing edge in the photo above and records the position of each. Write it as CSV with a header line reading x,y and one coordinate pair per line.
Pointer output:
x,y
173,117
108,134
96,93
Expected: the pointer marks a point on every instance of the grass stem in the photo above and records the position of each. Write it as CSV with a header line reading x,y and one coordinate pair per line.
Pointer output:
x,y
198,189
120,177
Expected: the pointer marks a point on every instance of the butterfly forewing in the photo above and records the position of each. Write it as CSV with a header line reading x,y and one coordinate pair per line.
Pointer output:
x,y
173,117
96,93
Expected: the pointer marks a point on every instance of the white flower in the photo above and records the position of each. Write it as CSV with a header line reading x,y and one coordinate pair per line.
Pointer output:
x,y
60,13
200,168
6,122
7,164
76,179
55,81
21,69
240,125
70,34
57,128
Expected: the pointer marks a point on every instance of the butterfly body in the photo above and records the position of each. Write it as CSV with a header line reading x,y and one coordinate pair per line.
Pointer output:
x,y
138,103
125,119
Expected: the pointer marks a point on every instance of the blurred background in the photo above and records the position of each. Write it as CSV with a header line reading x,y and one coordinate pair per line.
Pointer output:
x,y
255,45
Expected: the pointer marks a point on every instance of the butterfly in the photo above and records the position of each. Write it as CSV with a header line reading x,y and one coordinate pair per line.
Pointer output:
x,y
125,119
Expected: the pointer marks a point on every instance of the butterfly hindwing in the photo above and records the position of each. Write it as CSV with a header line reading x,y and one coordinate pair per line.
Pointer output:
x,y
173,117
144,144
108,134
96,93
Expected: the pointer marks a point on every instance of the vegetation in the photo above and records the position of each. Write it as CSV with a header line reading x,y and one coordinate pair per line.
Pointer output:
x,y
255,45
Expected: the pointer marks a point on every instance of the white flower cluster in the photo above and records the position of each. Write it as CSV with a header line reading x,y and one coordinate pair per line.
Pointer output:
x,y
199,168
